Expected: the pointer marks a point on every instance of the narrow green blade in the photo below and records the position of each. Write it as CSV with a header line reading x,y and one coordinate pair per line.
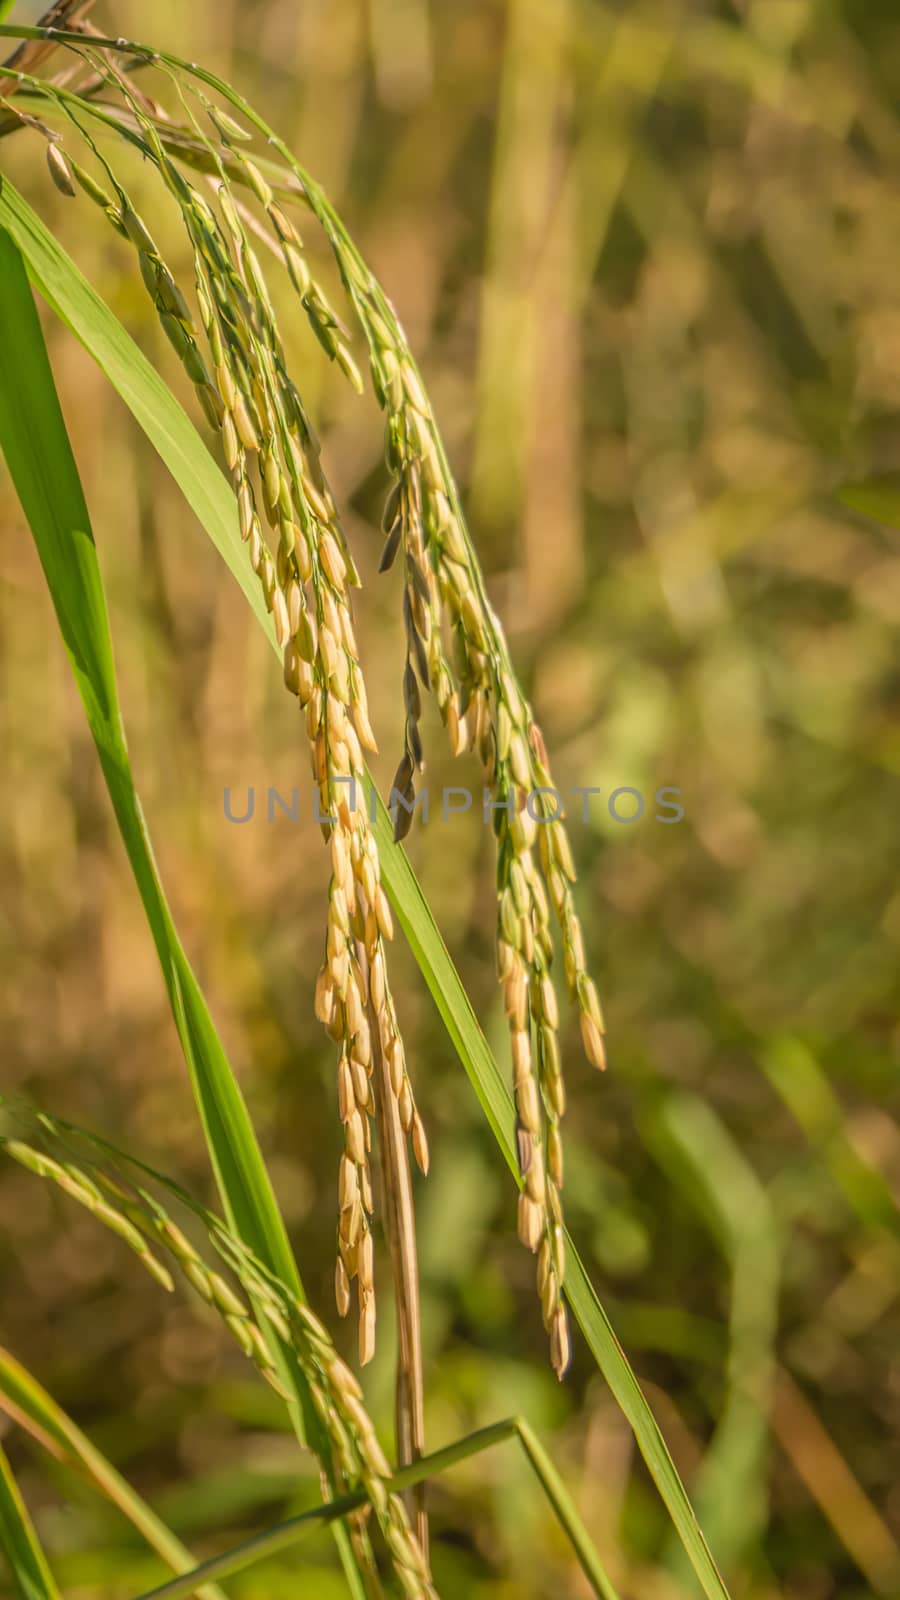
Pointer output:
x,y
286,1534
878,498
35,443
32,1578
206,490
24,1399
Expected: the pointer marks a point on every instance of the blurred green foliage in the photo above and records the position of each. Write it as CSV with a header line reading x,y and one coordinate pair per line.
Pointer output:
x,y
647,257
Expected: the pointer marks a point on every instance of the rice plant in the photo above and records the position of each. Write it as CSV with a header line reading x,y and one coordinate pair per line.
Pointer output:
x,y
83,101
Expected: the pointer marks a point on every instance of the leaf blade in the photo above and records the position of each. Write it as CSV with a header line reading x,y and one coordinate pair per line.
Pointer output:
x,y
286,1534
36,445
26,1560
877,497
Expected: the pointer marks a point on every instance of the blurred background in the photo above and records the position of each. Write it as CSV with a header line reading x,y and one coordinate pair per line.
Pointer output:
x,y
647,255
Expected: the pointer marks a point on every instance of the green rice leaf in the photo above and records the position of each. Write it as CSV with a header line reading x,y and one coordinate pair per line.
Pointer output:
x,y
878,498
37,451
35,443
286,1534
32,1578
